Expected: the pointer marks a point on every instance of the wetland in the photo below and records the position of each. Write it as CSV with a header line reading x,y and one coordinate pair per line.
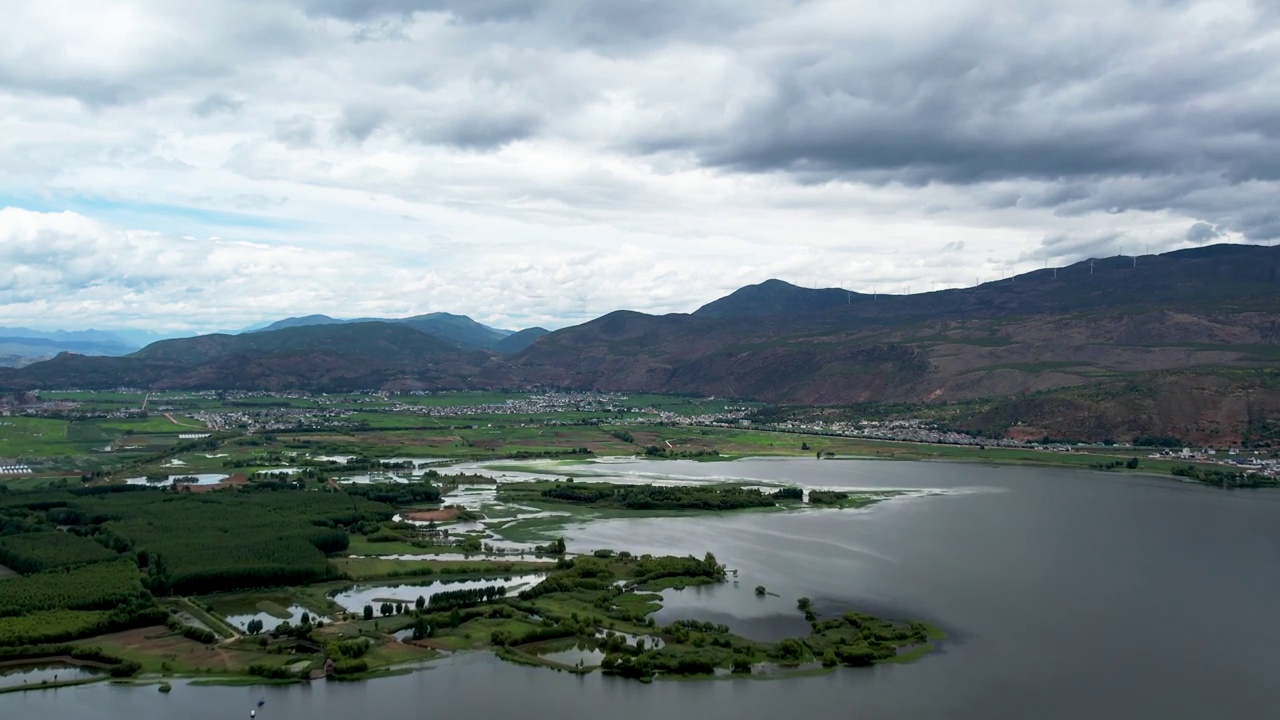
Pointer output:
x,y
973,589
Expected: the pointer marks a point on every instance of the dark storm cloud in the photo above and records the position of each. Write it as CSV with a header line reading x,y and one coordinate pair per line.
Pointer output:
x,y
949,118
1005,94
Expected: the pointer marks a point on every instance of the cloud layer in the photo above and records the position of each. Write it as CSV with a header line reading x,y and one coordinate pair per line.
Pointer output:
x,y
200,166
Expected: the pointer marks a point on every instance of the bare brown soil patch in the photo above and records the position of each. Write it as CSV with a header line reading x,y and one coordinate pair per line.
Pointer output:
x,y
644,439
182,654
405,438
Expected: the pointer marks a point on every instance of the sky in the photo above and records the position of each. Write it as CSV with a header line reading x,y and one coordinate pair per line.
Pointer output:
x,y
191,166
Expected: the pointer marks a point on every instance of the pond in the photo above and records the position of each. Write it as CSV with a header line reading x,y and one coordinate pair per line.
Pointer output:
x,y
650,641
266,606
354,599
271,622
37,674
579,652
473,557
201,479
373,478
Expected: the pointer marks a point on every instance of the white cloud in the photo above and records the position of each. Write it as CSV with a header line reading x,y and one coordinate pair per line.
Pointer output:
x,y
209,165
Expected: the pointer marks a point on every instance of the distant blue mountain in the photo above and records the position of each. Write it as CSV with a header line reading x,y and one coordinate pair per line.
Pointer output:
x,y
458,330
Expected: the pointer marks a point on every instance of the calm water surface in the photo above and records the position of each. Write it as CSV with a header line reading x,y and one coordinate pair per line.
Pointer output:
x,y
1066,594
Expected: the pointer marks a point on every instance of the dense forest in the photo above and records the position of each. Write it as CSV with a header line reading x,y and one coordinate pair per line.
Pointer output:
x,y
36,551
189,543
92,587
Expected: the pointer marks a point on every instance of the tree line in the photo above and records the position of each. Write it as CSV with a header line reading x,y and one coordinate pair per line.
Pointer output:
x,y
450,599
660,497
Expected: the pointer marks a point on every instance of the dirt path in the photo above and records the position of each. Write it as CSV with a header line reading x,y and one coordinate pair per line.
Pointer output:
x,y
179,424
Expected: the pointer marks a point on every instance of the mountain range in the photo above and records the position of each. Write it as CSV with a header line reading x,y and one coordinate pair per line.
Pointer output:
x,y
459,330
1183,344
21,346
24,346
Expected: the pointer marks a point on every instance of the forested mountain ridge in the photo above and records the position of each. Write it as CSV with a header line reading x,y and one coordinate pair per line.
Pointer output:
x,y
1183,344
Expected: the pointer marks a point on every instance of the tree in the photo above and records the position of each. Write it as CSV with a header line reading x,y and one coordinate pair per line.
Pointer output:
x,y
368,612
254,627
420,603
790,649
306,618
159,581
1132,463
420,628
386,609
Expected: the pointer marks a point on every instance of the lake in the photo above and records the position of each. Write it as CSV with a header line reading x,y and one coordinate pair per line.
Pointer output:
x,y
1066,594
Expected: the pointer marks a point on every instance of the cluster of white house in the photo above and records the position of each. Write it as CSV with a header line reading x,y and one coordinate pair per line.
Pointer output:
x,y
15,470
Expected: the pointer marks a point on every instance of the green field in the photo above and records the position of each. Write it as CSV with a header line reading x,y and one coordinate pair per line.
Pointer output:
x,y
369,426
35,437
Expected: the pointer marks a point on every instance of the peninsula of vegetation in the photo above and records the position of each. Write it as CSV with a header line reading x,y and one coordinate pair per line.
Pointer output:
x,y
284,581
